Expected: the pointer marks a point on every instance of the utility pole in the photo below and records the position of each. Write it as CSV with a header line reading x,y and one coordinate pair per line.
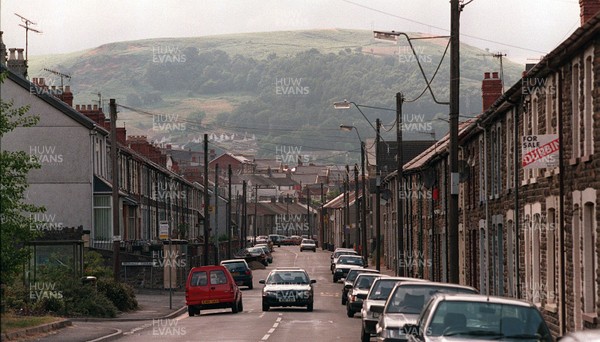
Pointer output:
x,y
347,205
365,243
453,276
357,208
377,201
115,189
216,193
206,201
255,225
322,233
244,231
401,194
229,211
308,212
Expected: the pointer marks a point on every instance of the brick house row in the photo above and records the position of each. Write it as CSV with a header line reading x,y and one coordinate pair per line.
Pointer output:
x,y
529,233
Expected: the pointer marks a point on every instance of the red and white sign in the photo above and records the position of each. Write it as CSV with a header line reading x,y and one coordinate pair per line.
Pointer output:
x,y
539,151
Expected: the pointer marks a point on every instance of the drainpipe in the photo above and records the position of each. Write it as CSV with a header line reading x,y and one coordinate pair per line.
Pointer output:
x,y
561,170
485,189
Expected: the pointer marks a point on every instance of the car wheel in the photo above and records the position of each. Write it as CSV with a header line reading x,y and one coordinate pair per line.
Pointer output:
x,y
314,250
250,285
364,336
192,311
241,306
344,299
349,312
335,279
309,307
235,307
265,307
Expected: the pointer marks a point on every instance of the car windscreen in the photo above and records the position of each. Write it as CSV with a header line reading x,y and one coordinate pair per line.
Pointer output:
x,y
364,282
350,261
410,299
496,320
382,288
338,254
287,277
235,266
308,242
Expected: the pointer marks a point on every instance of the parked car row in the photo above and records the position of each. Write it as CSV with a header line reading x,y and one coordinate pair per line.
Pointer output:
x,y
410,309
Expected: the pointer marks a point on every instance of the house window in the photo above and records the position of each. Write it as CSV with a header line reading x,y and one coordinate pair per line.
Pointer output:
x,y
510,150
482,258
102,218
510,254
534,285
588,120
589,265
577,310
494,144
575,115
500,264
497,165
535,119
551,256
482,154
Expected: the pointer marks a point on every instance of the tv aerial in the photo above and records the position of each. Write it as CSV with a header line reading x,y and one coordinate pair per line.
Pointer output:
x,y
27,29
62,76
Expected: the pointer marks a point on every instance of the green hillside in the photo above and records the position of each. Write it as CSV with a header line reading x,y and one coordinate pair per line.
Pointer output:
x,y
277,86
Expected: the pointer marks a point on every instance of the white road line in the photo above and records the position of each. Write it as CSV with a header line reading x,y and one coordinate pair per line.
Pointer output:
x,y
266,337
278,319
271,330
261,316
276,325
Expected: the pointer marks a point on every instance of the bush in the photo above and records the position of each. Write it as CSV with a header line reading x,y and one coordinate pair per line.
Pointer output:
x,y
120,294
80,300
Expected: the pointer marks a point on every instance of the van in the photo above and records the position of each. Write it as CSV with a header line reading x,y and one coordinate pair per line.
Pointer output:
x,y
211,287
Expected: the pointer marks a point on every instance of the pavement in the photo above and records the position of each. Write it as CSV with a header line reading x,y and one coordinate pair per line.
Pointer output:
x,y
153,304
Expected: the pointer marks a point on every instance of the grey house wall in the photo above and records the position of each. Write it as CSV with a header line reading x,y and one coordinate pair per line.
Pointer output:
x,y
64,183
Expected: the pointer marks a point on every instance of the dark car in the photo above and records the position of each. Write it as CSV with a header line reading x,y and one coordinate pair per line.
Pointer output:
x,y
258,254
288,287
349,281
211,287
242,274
267,251
276,239
406,302
360,289
344,264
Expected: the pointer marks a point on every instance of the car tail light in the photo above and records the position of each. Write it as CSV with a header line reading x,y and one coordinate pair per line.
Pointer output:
x,y
248,272
353,298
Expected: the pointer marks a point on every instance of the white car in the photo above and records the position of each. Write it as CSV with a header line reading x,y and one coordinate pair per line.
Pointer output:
x,y
308,244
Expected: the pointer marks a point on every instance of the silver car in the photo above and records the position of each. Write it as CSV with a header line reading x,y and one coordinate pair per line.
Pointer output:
x,y
405,304
465,317
358,292
377,296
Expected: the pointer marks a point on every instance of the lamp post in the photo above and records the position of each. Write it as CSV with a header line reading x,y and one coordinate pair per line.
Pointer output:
x,y
363,227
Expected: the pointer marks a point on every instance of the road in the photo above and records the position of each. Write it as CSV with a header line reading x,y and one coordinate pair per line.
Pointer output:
x,y
328,321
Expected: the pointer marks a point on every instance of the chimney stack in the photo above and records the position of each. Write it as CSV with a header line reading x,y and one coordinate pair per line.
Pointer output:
x,y
491,89
588,9
2,51
17,64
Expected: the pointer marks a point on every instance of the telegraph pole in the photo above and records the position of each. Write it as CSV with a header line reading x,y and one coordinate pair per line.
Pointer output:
x,y
322,233
365,243
308,212
115,189
357,208
453,271
206,201
216,193
377,201
401,193
244,231
229,211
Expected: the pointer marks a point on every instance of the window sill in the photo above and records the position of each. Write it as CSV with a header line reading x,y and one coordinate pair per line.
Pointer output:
x,y
586,158
590,317
552,308
573,161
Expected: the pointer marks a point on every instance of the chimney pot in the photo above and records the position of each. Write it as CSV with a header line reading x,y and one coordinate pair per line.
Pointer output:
x,y
67,89
495,75
77,107
42,81
12,55
20,54
95,107
89,107
486,75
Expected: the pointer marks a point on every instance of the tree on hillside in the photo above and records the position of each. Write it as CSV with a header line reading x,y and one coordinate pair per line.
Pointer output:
x,y
15,214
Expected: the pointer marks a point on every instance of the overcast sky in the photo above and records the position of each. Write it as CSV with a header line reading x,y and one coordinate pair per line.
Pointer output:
x,y
522,29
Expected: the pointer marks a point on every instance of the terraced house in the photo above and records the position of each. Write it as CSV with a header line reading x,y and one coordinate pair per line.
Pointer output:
x,y
529,188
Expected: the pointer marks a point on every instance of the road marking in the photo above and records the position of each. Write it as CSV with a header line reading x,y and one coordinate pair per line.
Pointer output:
x,y
261,316
271,330
266,337
134,330
276,325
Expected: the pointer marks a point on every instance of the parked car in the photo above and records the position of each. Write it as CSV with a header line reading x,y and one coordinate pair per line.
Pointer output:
x,y
288,287
256,254
276,239
267,252
211,287
308,244
349,280
338,253
344,264
377,296
405,303
241,273
262,239
296,239
360,289
462,317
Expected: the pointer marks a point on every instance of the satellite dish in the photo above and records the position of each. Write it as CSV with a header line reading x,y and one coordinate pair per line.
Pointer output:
x,y
464,171
429,179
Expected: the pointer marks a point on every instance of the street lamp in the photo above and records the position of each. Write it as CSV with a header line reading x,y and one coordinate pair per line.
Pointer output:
x,y
363,227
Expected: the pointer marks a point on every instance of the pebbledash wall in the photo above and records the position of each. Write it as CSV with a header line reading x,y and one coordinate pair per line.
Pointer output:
x,y
516,238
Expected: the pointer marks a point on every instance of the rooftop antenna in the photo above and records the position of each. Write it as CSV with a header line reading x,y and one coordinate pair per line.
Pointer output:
x,y
100,100
59,74
498,55
27,28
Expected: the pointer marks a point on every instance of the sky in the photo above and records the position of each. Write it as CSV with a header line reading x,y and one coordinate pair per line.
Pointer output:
x,y
524,30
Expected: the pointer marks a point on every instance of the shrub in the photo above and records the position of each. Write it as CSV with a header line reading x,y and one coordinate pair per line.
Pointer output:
x,y
120,294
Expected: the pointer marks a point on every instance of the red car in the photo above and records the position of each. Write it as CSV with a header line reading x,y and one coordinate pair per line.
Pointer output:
x,y
211,287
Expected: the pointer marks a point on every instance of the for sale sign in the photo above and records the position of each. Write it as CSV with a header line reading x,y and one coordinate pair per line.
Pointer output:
x,y
540,151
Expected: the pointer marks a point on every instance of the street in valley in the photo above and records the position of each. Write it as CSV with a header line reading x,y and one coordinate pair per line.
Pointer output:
x,y
328,321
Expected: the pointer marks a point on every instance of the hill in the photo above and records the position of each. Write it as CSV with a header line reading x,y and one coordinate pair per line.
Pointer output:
x,y
277,87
